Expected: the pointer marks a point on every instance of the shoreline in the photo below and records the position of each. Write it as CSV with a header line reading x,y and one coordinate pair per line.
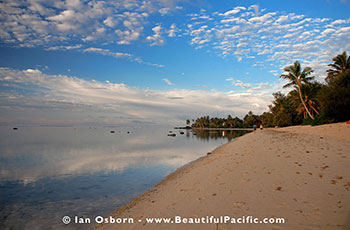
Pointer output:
x,y
172,176
201,187
228,129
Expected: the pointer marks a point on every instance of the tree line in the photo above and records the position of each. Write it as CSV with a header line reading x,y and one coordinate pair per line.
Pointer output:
x,y
310,102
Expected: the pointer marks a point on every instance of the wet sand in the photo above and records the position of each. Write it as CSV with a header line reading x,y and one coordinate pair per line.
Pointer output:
x,y
301,174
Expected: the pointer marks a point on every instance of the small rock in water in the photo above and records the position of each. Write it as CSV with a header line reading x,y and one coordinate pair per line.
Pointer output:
x,y
15,128
112,131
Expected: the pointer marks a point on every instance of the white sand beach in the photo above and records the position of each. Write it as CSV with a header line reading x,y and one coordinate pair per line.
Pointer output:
x,y
301,174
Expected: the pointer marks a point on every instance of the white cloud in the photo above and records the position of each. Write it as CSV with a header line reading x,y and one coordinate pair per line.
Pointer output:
x,y
164,11
167,81
280,38
327,31
156,38
172,31
109,21
339,21
282,18
241,84
255,8
65,47
49,23
75,100
262,18
234,11
106,52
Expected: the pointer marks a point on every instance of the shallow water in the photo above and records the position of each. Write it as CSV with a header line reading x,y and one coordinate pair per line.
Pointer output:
x,y
50,172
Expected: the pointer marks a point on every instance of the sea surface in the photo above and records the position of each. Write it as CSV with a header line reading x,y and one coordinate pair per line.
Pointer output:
x,y
47,173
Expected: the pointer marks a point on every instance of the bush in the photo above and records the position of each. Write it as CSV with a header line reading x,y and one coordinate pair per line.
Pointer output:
x,y
307,121
320,120
335,98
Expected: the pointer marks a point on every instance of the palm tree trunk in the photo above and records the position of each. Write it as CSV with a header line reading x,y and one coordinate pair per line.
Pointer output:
x,y
314,109
302,101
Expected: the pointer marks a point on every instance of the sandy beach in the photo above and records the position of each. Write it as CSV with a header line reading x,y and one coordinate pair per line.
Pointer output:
x,y
301,174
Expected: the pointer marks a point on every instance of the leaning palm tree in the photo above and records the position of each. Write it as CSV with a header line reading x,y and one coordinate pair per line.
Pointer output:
x,y
297,78
310,92
341,63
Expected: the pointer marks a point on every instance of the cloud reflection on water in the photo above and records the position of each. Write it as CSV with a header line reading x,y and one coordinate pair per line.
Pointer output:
x,y
33,153
49,172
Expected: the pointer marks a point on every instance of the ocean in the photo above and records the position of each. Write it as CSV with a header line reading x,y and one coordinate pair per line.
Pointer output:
x,y
47,173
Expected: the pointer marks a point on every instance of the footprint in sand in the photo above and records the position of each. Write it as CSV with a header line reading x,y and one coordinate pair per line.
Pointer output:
x,y
239,204
324,167
171,204
333,181
279,188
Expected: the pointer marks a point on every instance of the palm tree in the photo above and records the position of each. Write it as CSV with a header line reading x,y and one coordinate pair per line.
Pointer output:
x,y
341,63
297,78
310,92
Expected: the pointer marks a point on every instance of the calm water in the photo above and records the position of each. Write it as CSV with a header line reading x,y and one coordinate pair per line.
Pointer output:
x,y
49,172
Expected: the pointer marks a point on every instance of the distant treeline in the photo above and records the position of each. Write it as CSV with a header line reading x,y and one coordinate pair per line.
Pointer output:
x,y
310,102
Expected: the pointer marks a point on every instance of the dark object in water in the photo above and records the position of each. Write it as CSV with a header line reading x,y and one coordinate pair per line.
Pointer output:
x,y
171,135
187,127
112,131
182,133
127,132
208,153
15,128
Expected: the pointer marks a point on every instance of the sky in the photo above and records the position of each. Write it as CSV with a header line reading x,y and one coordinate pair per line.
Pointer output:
x,y
128,62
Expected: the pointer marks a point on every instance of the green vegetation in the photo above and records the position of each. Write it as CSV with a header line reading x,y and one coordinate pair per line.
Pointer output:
x,y
310,103
297,78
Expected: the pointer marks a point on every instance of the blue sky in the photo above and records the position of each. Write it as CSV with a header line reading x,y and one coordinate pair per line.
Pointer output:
x,y
130,62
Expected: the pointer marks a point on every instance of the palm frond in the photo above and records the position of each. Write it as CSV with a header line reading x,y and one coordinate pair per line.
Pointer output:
x,y
285,76
307,79
307,71
289,85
